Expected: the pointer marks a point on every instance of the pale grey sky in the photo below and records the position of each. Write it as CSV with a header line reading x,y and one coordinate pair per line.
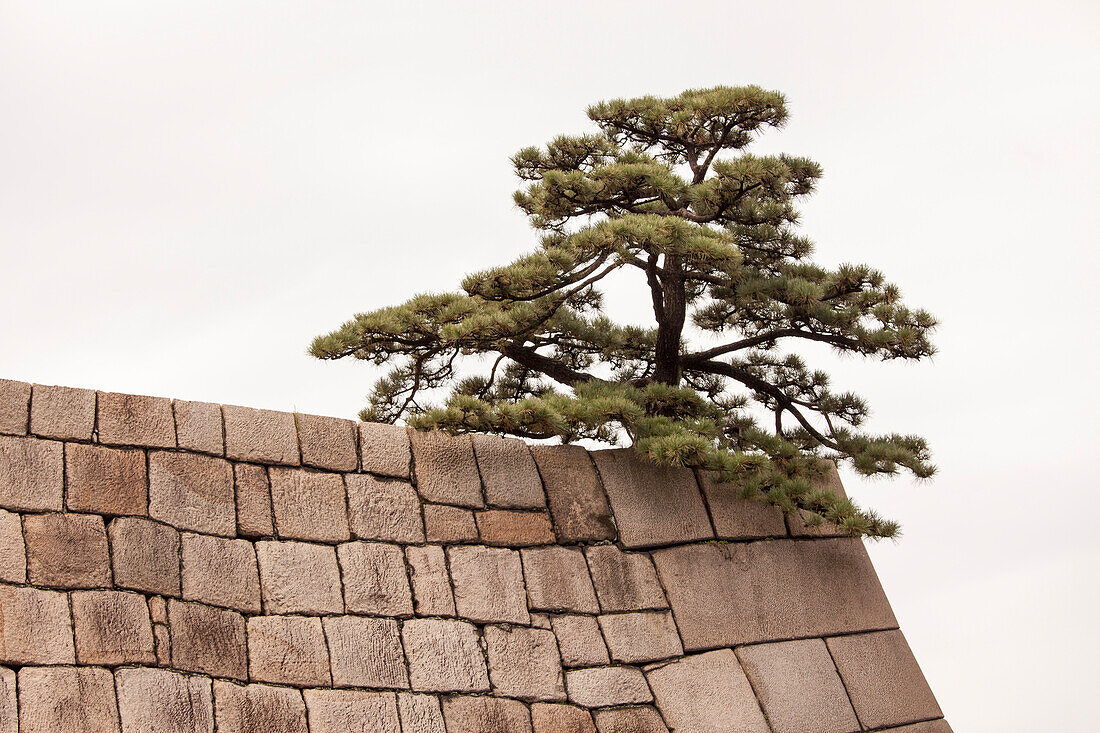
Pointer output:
x,y
190,191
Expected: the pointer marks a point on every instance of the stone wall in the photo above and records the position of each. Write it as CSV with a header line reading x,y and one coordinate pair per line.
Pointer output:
x,y
188,567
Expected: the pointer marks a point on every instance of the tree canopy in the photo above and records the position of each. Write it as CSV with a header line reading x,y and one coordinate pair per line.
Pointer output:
x,y
664,190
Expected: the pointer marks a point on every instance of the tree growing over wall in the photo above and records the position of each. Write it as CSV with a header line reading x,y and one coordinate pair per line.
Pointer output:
x,y
665,192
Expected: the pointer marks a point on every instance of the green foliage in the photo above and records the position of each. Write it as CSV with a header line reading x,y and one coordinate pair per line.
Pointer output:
x,y
713,243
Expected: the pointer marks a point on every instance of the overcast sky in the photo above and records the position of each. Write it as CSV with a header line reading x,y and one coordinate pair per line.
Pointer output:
x,y
190,191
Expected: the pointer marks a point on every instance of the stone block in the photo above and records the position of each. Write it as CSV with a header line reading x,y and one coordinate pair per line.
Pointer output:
x,y
797,685
31,477
343,711
327,442
163,701
62,699
444,523
830,482
597,687
508,472
444,656
387,510
9,702
158,610
309,505
192,492
431,583
375,579
625,581
207,640
445,469
288,650
524,663
35,627
928,726
105,480
112,628
162,640
254,516
384,450
883,679
540,620
260,436
559,718
64,413
738,518
365,652
199,427
145,556
488,584
706,693
67,550
644,636
13,554
126,419
637,719
467,714
580,641
258,709
509,528
420,713
220,572
557,580
576,499
299,577
15,404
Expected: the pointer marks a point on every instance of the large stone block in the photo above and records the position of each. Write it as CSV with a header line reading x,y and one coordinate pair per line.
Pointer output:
x,y
384,450
35,627
375,580
309,505
327,442
597,687
207,640
445,469
288,650
365,652
524,663
559,718
220,572
508,472
299,577
13,553
625,581
576,499
510,528
64,413
465,714
15,404
126,419
444,656
420,713
192,492
431,583
163,701
199,427
64,699
488,584
738,518
258,709
706,693
634,719
387,510
105,480
254,515
260,436
67,550
643,636
444,523
112,628
342,711
557,580
145,556
580,641
31,477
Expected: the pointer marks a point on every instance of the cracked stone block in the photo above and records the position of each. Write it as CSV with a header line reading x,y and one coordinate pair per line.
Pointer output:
x,y
708,693
375,580
35,627
67,550
309,505
105,480
260,436
145,556
738,518
486,715
31,477
444,656
341,711
560,718
574,494
327,442
365,652
65,413
597,687
431,583
580,641
508,472
641,636
258,709
199,427
625,581
558,580
112,628
488,584
420,713
191,491
299,577
254,515
386,510
444,523
524,663
15,404
13,553
640,719
207,640
221,572
163,701
445,468
509,528
127,419
384,450
288,650
9,705
53,699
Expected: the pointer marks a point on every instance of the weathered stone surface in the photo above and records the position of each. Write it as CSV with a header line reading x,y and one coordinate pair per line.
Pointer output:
x,y
444,656
192,492
365,652
644,636
727,594
260,436
524,663
737,518
485,715
625,581
15,403
342,711
127,419
375,580
508,472
309,505
162,640
63,699
163,701
199,427
288,650
557,580
9,704
488,584
559,718
654,505
580,641
65,413
327,442
431,583
576,499
883,679
798,687
384,450
112,627
35,627
158,609
514,528
928,726
445,469
31,476
105,480
67,550
383,509
596,687
540,620
13,554
299,577
707,693
207,640
420,713
639,719
254,516
258,709
145,556
221,572
444,523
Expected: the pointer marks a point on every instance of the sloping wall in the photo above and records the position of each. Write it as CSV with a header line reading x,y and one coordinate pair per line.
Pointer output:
x,y
172,566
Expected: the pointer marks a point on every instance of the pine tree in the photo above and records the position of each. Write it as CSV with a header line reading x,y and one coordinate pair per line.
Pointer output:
x,y
663,191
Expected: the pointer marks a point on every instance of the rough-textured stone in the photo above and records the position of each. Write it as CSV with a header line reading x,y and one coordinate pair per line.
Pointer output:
x,y
35,627
557,580
258,709
375,580
707,693
221,572
883,679
145,556
162,639
158,610
444,656
65,413
112,627
192,492
309,505
420,713
444,523
67,550
829,482
105,480
596,687
13,554
384,450
576,499
928,726
15,403
383,509
342,711
199,427
163,701
508,472
644,636
625,581
738,518
639,719
524,663
64,699
299,577
514,528
486,715
260,436
9,704
207,640
288,650
431,583
559,718
445,469
540,620
254,516
488,584
31,477
798,687
727,594
127,419
365,652
580,641
327,442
